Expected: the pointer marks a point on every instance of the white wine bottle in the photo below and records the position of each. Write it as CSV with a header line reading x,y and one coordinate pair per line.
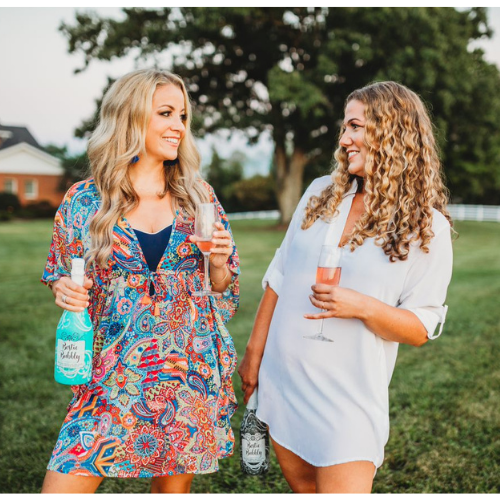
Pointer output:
x,y
74,339
254,441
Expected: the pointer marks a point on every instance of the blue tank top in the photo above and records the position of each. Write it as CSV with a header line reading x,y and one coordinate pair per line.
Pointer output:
x,y
153,247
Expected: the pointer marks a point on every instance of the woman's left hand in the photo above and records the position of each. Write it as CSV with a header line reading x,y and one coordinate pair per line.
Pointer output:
x,y
337,301
223,248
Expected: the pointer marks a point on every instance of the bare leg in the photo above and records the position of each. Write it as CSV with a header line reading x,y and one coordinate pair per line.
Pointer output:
x,y
180,483
350,477
55,482
300,475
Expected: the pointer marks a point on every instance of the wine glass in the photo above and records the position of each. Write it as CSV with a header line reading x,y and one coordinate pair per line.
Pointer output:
x,y
204,226
328,273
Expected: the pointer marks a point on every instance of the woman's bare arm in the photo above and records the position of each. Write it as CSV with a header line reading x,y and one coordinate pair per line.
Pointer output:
x,y
250,364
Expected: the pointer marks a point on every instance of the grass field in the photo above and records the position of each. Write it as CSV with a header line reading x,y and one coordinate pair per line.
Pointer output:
x,y
445,396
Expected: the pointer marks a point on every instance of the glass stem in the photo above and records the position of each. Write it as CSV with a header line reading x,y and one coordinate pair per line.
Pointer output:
x,y
207,265
321,324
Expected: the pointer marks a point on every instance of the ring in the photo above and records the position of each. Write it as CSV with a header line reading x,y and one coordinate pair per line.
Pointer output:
x,y
63,298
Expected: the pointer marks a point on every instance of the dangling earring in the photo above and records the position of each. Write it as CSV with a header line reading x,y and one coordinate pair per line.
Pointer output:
x,y
135,159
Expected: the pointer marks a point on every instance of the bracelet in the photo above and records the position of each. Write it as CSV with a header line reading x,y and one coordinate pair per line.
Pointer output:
x,y
223,279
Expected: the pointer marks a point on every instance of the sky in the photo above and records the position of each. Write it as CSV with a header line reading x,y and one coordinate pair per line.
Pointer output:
x,y
39,89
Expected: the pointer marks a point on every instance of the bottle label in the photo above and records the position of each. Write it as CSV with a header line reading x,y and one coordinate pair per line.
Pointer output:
x,y
253,449
70,354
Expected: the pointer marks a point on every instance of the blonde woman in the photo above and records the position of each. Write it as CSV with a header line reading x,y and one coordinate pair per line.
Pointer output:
x,y
326,402
160,398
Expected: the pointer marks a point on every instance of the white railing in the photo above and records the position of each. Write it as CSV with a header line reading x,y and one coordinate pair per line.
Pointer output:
x,y
478,213
263,214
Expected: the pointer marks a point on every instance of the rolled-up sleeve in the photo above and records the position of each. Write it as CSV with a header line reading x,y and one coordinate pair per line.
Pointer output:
x,y
427,282
59,258
274,274
229,301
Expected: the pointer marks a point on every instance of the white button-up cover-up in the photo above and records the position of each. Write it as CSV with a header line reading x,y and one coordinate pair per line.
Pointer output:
x,y
327,402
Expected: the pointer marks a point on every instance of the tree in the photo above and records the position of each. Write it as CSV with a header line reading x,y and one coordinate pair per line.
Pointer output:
x,y
222,173
76,167
236,193
289,70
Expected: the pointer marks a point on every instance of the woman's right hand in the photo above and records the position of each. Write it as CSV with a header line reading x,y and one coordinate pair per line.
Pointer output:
x,y
249,373
71,296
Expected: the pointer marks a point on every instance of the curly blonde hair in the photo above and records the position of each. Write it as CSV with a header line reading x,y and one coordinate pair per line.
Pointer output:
x,y
404,180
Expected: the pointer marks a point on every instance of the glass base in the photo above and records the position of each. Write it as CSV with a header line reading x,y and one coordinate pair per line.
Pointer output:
x,y
203,293
318,336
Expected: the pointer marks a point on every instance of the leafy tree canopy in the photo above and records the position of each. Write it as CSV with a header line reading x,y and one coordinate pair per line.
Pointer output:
x,y
288,71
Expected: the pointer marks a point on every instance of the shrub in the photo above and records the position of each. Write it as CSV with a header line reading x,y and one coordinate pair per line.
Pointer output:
x,y
255,193
5,216
9,202
37,210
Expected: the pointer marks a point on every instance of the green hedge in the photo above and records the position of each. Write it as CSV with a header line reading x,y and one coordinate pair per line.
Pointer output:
x,y
11,208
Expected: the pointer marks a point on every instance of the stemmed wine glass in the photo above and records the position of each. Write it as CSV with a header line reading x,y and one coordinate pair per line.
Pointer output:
x,y
204,226
328,273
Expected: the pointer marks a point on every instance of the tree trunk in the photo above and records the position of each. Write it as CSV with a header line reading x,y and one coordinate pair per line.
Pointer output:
x,y
289,177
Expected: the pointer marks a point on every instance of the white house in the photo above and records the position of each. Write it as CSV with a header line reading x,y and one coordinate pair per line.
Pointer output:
x,y
26,169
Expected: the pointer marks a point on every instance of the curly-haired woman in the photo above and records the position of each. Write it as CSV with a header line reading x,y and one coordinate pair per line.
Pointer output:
x,y
326,403
160,398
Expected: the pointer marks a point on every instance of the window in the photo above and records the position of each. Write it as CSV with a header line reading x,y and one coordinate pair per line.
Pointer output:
x,y
30,189
10,186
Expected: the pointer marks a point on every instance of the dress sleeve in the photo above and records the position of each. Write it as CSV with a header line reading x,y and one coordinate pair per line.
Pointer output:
x,y
229,301
427,283
275,272
64,246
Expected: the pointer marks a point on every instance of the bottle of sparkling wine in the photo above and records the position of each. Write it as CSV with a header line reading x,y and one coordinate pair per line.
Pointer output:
x,y
254,441
74,338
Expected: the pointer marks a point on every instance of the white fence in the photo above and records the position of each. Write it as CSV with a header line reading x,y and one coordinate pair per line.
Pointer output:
x,y
264,214
487,213
479,213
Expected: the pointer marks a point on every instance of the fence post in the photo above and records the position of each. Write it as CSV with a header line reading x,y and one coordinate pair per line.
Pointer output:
x,y
480,213
461,212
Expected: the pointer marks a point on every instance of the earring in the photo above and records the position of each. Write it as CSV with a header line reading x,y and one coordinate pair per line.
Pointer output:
x,y
135,159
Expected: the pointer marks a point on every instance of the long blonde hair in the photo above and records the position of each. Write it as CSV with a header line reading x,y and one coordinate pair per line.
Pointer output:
x,y
403,180
118,138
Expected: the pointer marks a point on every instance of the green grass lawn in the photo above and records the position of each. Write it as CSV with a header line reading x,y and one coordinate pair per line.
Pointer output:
x,y
445,396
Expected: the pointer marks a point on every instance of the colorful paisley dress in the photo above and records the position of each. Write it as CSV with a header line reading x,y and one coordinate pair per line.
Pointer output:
x,y
161,395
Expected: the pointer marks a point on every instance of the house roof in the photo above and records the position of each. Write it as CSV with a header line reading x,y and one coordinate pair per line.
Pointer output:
x,y
23,158
10,136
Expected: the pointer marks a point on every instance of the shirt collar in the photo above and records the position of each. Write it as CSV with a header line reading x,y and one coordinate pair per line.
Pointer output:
x,y
353,189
